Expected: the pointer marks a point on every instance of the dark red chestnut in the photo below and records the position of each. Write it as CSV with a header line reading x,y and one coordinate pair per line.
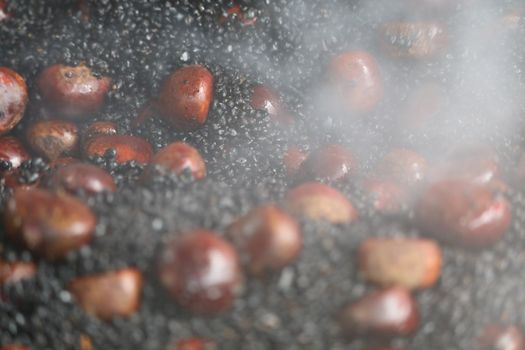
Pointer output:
x,y
331,162
402,166
458,211
13,99
52,138
264,98
496,337
201,271
356,81
12,180
236,11
47,223
414,39
109,294
12,272
180,156
100,128
186,96
388,312
269,238
127,147
194,344
73,92
293,159
82,176
320,202
13,151
412,263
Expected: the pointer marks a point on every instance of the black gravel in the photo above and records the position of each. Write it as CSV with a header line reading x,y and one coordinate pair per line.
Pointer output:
x,y
137,43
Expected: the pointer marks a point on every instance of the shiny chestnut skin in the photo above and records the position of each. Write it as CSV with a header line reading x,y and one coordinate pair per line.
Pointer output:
x,y
13,99
356,80
269,238
320,202
403,166
109,294
293,159
417,40
264,98
387,312
460,212
13,151
52,138
127,147
100,128
412,263
48,224
330,162
194,344
385,196
12,272
82,176
186,96
180,156
495,337
201,271
72,92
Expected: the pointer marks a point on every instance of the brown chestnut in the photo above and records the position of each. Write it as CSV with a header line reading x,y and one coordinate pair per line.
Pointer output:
x,y
194,344
62,162
264,98
127,147
52,138
13,151
356,80
47,223
73,92
201,271
458,211
186,96
414,39
100,128
180,156
320,202
388,312
12,180
13,99
495,337
330,162
82,176
293,159
269,238
12,272
402,166
412,263
109,294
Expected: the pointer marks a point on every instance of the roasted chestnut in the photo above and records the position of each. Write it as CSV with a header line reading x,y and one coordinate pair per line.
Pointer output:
x,y
330,162
403,166
201,271
109,294
13,99
180,156
73,92
47,223
127,148
100,128
52,138
385,196
186,96
82,176
14,271
269,238
13,151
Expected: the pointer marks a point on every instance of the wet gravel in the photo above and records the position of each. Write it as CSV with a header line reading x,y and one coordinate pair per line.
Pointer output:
x,y
138,43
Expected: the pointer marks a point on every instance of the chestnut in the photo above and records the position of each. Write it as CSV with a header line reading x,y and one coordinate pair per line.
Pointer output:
x,y
14,347
318,201
82,176
389,312
269,237
180,156
12,180
293,159
201,271
48,224
412,263
12,272
414,39
330,162
52,138
13,99
496,337
194,344
62,162
100,128
385,196
264,98
109,294
13,151
356,81
186,96
403,166
460,212
127,148
72,91
3,13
